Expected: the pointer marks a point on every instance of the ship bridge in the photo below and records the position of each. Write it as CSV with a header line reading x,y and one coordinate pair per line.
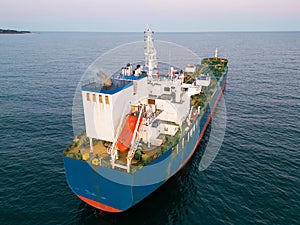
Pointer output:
x,y
104,104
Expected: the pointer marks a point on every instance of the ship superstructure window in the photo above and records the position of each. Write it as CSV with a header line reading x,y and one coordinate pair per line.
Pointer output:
x,y
94,97
88,97
167,89
135,84
151,101
100,99
106,100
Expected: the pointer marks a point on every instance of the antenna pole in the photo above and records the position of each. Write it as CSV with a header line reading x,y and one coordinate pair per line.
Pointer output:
x,y
150,52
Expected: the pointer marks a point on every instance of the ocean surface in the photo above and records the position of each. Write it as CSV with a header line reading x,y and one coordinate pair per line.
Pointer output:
x,y
255,178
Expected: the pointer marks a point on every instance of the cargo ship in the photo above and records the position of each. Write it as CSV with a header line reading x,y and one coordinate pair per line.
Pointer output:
x,y
142,126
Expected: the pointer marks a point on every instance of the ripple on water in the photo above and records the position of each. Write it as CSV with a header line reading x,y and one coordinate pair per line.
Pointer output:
x,y
253,180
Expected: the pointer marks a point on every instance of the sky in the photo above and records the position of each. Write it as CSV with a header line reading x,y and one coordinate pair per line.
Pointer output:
x,y
163,15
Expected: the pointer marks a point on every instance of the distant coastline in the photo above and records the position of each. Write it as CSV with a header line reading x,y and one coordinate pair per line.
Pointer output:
x,y
3,31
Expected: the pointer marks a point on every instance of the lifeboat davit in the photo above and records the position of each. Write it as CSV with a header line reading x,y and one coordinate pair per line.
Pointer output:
x,y
125,137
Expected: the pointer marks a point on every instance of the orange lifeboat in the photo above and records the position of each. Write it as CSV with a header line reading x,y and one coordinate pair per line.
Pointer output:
x,y
127,133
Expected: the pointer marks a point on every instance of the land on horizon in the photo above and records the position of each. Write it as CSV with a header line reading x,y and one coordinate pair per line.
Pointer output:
x,y
8,31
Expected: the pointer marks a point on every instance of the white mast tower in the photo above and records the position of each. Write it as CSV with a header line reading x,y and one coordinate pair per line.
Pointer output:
x,y
150,52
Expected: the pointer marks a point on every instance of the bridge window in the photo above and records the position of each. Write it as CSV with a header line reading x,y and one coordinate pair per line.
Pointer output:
x,y
94,98
100,99
106,100
88,97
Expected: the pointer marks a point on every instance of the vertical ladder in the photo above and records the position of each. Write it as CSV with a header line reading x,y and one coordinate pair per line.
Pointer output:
x,y
135,141
112,150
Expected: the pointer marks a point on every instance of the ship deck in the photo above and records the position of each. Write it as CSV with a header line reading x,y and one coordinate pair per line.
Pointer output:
x,y
80,148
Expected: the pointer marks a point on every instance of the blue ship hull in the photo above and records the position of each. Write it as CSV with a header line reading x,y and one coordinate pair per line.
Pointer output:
x,y
116,191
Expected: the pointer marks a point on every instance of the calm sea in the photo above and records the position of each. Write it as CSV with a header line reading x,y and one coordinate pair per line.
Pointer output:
x,y
255,178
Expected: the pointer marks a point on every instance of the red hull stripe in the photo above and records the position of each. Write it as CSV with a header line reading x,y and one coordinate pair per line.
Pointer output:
x,y
99,205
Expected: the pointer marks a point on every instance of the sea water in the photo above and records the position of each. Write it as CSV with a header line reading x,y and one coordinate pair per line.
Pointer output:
x,y
253,180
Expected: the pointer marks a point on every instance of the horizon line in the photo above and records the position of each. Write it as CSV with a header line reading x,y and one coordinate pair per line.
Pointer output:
x,y
225,31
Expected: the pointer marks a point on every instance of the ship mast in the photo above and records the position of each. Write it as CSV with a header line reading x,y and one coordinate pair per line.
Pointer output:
x,y
216,53
150,52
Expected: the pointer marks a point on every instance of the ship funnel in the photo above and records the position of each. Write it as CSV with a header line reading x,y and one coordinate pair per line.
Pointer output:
x,y
104,77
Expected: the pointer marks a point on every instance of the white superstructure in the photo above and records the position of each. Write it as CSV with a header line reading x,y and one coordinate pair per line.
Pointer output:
x,y
103,108
140,107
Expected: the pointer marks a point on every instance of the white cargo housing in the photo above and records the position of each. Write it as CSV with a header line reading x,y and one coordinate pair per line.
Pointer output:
x,y
103,107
